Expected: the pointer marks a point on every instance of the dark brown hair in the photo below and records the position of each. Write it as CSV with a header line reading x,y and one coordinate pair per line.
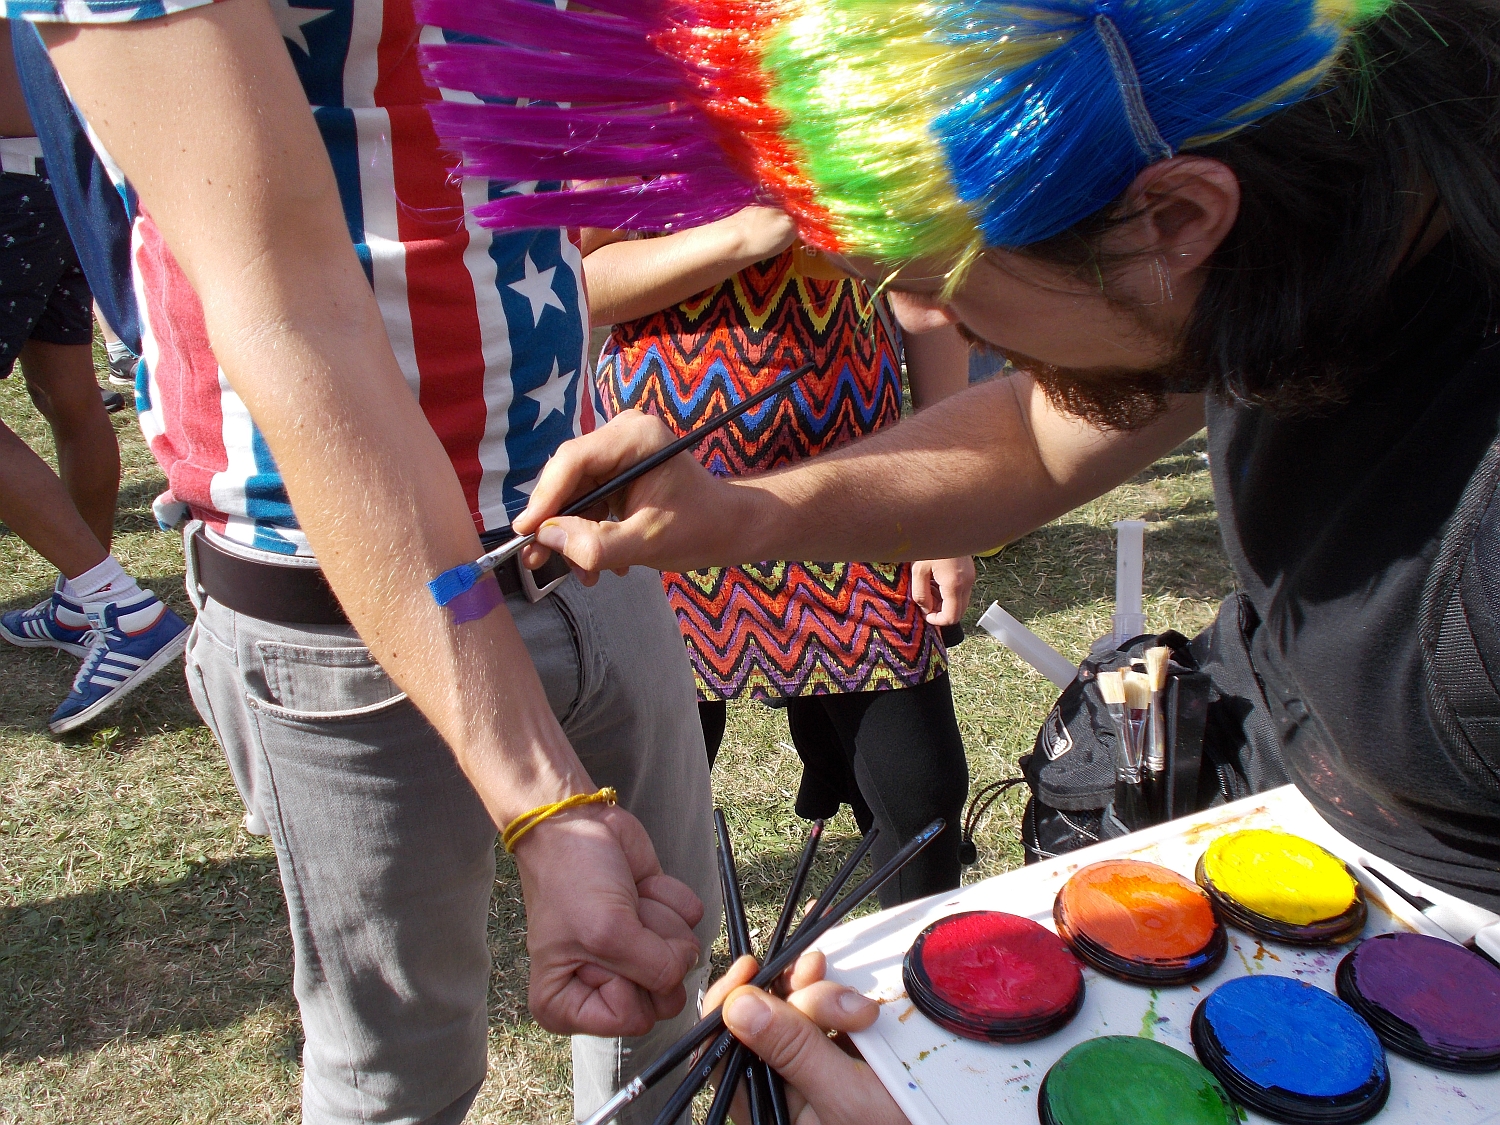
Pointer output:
x,y
1296,295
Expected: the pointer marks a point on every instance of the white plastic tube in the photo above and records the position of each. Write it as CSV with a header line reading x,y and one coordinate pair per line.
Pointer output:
x,y
1027,645
1488,939
1130,620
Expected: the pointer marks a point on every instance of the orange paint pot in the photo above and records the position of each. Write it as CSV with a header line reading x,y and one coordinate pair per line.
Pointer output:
x,y
1140,922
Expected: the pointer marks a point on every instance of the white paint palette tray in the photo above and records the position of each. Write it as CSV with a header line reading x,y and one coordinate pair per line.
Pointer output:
x,y
939,1078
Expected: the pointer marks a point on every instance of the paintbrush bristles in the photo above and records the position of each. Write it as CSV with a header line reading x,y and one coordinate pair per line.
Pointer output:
x,y
1137,691
1112,688
1156,667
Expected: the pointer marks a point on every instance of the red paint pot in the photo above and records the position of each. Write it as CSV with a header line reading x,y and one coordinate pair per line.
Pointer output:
x,y
992,976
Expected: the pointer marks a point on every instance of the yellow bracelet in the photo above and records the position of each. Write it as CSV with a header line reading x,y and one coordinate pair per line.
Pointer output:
x,y
529,820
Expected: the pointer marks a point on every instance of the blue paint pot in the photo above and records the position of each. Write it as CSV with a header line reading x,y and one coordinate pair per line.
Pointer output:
x,y
1291,1051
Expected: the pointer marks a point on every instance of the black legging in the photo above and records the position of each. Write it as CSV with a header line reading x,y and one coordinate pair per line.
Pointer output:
x,y
895,757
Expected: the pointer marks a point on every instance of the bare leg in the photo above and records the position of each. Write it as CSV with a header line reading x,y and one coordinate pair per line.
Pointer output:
x,y
35,505
60,378
104,329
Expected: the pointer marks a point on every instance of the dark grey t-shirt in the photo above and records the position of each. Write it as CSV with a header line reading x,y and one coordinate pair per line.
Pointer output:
x,y
1332,525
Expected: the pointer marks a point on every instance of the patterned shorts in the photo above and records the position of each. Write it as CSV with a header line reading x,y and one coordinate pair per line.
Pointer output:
x,y
43,293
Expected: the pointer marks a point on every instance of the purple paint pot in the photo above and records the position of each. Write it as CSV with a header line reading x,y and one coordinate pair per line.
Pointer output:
x,y
1426,998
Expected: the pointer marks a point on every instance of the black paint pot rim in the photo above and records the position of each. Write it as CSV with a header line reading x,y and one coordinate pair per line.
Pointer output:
x,y
1167,971
1398,1035
1338,930
1043,1104
1357,1105
925,997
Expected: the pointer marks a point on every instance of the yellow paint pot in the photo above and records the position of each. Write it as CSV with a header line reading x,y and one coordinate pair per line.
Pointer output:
x,y
1281,886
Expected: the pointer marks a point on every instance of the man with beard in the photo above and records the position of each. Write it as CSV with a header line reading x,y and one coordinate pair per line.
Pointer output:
x,y
1318,287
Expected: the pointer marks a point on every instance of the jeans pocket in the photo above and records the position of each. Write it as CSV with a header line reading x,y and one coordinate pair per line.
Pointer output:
x,y
317,683
197,684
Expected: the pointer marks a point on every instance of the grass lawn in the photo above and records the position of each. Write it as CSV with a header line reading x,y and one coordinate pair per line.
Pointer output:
x,y
145,964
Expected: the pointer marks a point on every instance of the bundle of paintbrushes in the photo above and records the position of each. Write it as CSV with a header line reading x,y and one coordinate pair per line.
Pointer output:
x,y
1134,701
782,952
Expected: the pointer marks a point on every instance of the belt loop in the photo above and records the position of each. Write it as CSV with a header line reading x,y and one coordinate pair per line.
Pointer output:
x,y
196,594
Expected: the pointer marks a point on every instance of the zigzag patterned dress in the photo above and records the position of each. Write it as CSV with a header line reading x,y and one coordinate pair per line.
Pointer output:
x,y
775,630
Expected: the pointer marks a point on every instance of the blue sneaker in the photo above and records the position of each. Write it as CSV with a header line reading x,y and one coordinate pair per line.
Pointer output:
x,y
132,642
55,622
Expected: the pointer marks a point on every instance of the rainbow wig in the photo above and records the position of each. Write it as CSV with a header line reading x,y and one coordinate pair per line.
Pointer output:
x,y
894,129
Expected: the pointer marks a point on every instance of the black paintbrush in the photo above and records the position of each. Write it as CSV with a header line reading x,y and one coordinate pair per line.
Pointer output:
x,y
830,892
718,1112
459,579
734,1070
729,879
780,1111
755,1072
799,880
803,940
738,932
755,1087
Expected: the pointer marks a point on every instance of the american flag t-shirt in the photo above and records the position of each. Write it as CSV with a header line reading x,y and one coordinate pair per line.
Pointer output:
x,y
490,330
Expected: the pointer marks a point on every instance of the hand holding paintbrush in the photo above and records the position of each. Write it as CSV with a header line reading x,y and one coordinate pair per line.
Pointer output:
x,y
815,926
826,1079
736,1068
457,581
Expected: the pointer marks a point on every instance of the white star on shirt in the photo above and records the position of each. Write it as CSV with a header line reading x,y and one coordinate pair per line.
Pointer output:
x,y
552,396
536,287
290,21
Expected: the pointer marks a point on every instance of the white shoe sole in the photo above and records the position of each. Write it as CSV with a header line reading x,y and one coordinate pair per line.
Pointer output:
x,y
164,655
37,642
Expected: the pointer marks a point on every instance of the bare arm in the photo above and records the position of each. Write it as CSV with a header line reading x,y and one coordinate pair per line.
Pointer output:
x,y
980,468
937,366
204,113
15,119
631,278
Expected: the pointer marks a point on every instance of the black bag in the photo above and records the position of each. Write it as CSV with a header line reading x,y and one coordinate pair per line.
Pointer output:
x,y
1070,770
1222,743
1224,737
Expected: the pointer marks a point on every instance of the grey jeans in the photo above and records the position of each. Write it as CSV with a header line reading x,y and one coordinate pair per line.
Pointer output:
x,y
387,855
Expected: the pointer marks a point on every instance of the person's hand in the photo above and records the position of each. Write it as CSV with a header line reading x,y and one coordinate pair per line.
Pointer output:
x,y
668,520
763,232
610,936
827,1082
942,588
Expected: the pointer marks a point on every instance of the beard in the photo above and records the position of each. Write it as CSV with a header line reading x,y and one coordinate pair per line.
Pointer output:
x,y
1107,398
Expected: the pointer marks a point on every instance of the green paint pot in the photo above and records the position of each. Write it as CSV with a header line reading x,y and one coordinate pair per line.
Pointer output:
x,y
1124,1080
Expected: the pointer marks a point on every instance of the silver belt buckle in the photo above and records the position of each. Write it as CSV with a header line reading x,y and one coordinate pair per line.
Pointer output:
x,y
534,592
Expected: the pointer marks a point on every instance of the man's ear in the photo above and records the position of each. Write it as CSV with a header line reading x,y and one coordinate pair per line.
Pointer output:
x,y
1184,207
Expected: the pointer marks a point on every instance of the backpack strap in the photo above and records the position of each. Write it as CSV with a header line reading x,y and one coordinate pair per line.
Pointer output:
x,y
1459,625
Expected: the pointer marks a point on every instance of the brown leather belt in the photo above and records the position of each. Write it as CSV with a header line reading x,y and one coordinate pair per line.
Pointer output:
x,y
296,595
